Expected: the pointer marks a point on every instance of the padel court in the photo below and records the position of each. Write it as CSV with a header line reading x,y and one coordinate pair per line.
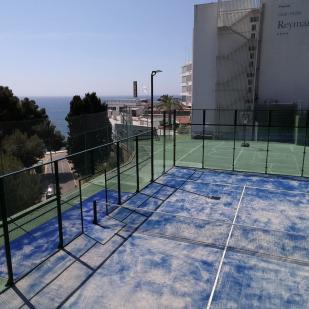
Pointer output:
x,y
194,238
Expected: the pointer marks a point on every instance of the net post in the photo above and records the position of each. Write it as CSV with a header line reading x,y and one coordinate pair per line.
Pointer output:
x,y
305,144
6,234
137,164
95,212
268,138
203,150
81,204
59,214
106,192
118,173
174,137
234,138
164,141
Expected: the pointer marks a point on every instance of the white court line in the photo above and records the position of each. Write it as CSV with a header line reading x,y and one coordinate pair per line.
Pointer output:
x,y
224,252
238,156
185,155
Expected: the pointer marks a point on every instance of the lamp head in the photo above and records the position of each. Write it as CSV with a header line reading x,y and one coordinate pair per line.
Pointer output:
x,y
153,73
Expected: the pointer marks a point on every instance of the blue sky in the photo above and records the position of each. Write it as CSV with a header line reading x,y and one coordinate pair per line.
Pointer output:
x,y
66,47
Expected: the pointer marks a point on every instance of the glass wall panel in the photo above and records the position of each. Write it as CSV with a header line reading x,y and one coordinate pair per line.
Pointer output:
x,y
219,144
189,148
144,156
33,226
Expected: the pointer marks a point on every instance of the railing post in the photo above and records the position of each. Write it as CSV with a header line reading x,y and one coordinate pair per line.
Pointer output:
x,y
203,150
164,141
118,173
6,234
137,164
106,192
268,138
174,138
59,214
95,212
81,204
305,144
152,148
234,137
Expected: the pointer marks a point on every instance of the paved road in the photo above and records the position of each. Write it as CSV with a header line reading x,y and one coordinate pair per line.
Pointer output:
x,y
66,177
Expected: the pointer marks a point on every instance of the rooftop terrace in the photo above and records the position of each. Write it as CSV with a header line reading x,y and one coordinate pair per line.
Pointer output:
x,y
193,238
201,235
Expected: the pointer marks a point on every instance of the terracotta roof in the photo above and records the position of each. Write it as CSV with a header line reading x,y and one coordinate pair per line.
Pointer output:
x,y
183,119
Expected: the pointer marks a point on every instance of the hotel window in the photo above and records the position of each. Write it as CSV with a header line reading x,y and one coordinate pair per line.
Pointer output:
x,y
251,64
253,27
252,35
254,19
252,48
250,75
249,89
251,55
250,82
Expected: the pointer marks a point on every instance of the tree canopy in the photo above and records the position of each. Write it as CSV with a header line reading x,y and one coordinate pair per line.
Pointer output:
x,y
26,116
23,189
169,103
89,127
24,148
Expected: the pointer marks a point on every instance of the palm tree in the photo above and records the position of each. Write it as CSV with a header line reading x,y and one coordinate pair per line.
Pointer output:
x,y
169,104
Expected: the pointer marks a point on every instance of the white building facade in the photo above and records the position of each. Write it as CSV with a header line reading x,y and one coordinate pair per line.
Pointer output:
x,y
186,84
250,52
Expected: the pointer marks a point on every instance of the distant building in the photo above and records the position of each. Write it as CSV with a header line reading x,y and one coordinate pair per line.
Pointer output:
x,y
248,53
186,84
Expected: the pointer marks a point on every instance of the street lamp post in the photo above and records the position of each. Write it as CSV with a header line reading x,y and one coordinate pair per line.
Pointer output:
x,y
153,73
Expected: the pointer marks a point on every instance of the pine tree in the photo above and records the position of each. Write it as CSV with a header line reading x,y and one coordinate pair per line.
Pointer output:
x,y
89,127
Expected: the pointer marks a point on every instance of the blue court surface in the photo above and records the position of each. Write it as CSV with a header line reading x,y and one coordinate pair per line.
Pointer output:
x,y
192,239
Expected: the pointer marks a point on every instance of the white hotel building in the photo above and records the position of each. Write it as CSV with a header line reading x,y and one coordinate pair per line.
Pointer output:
x,y
186,84
250,52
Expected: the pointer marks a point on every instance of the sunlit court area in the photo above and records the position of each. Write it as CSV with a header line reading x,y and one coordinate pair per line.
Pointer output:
x,y
154,154
218,226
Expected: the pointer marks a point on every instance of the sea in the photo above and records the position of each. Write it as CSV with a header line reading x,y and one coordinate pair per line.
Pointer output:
x,y
57,108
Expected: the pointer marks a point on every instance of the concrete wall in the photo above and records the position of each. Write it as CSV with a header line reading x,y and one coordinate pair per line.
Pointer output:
x,y
284,73
204,59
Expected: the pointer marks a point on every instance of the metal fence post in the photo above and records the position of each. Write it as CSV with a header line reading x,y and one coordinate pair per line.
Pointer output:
x,y
164,141
6,234
234,137
152,148
174,138
81,204
59,214
203,150
95,212
305,144
268,138
106,192
137,164
118,173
